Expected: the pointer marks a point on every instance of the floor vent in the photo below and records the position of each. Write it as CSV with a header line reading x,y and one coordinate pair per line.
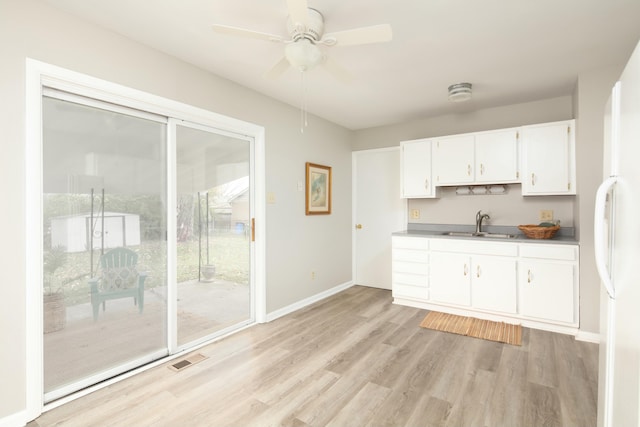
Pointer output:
x,y
187,361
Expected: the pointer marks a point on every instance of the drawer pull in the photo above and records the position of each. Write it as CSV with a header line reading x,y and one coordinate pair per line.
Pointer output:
x,y
466,269
478,271
528,276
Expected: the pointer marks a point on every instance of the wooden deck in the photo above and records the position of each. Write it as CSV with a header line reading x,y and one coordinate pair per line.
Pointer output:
x,y
121,333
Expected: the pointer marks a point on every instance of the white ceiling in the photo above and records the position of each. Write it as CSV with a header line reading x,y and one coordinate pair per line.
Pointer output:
x,y
512,51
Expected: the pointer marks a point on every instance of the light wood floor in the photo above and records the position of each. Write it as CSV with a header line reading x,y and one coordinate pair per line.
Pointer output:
x,y
355,359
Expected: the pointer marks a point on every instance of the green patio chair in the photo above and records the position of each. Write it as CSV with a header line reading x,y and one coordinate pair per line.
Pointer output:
x,y
120,278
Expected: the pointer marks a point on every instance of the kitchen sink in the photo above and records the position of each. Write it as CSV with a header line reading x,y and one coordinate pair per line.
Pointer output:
x,y
470,234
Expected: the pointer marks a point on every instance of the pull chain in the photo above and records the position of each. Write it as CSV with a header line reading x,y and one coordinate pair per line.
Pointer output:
x,y
303,102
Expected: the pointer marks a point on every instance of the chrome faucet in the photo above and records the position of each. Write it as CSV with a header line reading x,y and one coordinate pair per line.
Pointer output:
x,y
479,218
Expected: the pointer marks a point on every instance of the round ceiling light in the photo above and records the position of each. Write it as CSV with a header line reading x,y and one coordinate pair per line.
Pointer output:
x,y
460,92
303,54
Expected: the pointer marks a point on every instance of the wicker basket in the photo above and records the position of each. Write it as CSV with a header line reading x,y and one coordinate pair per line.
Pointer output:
x,y
536,232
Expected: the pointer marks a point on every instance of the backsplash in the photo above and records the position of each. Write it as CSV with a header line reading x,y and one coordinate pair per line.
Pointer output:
x,y
508,209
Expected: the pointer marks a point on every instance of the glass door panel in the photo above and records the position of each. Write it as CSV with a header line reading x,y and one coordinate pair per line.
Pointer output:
x,y
213,238
104,242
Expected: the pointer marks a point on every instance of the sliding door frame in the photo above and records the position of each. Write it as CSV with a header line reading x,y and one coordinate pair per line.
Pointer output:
x,y
40,75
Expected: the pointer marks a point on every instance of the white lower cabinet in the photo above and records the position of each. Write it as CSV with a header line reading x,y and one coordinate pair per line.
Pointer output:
x,y
410,268
548,282
450,279
462,276
521,281
493,284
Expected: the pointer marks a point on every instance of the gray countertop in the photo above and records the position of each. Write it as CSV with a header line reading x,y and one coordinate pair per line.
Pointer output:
x,y
566,235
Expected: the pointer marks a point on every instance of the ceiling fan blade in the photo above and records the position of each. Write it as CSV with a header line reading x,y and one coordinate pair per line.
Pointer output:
x,y
243,32
364,35
337,70
299,12
277,70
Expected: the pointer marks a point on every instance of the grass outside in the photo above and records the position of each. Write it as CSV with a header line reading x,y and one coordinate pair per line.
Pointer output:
x,y
228,252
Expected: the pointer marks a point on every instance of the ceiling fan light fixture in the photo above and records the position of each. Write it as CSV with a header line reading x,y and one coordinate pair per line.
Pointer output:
x,y
303,55
460,92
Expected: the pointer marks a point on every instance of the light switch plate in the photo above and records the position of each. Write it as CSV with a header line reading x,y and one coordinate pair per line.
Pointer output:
x,y
271,198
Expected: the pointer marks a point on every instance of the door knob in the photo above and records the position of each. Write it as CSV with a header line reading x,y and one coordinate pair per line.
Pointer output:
x,y
358,226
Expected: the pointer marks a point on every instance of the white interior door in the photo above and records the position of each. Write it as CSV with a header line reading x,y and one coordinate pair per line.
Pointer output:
x,y
378,211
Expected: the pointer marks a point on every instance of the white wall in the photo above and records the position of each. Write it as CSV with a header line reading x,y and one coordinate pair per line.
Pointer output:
x,y
295,243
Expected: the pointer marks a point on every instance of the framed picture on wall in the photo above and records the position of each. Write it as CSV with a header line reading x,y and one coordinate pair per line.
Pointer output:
x,y
318,195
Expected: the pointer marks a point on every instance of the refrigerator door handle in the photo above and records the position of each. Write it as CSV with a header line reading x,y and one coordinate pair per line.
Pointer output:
x,y
598,234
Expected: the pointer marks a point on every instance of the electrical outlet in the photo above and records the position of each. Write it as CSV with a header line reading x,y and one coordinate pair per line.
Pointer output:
x,y
313,275
415,213
546,215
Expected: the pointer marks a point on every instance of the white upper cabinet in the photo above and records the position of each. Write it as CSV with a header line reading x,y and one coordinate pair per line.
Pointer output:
x,y
479,158
548,159
496,160
453,160
541,157
416,169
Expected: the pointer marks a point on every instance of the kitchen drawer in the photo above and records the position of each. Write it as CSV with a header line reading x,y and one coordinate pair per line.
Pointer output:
x,y
411,267
410,279
555,252
414,292
411,255
475,247
410,242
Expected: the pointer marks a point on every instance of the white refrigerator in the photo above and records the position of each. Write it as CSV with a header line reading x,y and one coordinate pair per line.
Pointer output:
x,y
617,247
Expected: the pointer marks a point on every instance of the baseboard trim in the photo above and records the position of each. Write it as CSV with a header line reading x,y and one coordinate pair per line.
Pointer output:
x,y
307,301
19,419
591,337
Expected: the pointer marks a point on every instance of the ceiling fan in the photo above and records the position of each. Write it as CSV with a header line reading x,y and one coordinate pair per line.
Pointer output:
x,y
306,32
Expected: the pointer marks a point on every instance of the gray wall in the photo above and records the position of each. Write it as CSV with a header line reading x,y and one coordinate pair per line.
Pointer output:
x,y
295,243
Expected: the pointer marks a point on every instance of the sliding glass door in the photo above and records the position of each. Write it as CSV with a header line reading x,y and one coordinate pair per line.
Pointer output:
x,y
104,243
213,232
123,283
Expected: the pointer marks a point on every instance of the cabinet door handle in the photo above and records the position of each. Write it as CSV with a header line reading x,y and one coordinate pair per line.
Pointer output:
x,y
528,276
478,271
469,170
426,183
481,169
358,226
466,269
533,179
